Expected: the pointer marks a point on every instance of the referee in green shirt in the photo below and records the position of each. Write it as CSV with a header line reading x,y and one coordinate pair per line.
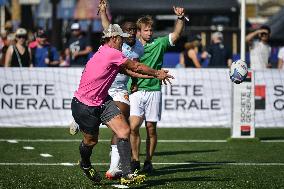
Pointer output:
x,y
146,100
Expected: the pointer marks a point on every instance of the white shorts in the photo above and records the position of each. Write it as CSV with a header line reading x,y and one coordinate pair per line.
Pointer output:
x,y
147,104
120,96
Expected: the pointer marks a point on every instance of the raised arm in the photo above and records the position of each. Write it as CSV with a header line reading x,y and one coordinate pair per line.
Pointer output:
x,y
134,74
140,68
103,14
251,35
178,28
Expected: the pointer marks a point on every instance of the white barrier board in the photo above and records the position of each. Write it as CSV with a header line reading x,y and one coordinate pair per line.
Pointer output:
x,y
197,98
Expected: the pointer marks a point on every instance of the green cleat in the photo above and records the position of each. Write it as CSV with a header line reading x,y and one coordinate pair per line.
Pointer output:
x,y
133,179
91,173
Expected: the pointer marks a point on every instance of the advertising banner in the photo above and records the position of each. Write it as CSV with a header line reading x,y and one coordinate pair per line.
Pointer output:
x,y
269,98
41,97
37,96
197,98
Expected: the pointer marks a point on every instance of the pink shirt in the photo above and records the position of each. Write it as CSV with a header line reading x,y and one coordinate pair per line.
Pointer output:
x,y
98,76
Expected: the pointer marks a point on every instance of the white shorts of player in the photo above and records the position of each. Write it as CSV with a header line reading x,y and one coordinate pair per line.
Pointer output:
x,y
147,104
120,96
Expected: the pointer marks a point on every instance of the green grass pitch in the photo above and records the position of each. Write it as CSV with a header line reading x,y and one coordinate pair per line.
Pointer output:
x,y
182,160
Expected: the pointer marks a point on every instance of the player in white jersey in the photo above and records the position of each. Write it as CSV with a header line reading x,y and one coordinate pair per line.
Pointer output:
x,y
132,49
119,93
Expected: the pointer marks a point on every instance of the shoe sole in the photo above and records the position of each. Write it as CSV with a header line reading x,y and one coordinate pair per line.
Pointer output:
x,y
109,176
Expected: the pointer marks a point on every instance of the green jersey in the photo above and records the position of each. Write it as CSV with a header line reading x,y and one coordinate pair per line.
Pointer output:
x,y
153,57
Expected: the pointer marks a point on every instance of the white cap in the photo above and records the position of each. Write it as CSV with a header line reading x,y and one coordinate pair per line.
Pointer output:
x,y
114,30
21,31
75,26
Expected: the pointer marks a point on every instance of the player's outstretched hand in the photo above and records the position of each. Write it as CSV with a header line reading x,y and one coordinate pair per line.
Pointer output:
x,y
179,11
164,76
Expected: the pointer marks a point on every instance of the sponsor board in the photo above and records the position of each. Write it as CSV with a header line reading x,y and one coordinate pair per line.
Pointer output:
x,y
269,98
197,98
37,96
243,108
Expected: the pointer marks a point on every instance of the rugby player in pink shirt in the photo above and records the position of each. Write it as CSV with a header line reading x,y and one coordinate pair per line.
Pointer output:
x,y
92,105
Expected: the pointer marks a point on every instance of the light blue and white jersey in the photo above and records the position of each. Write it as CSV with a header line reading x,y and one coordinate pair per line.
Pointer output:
x,y
134,52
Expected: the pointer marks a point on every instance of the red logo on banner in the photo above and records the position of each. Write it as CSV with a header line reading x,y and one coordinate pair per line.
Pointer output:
x,y
260,91
248,78
245,130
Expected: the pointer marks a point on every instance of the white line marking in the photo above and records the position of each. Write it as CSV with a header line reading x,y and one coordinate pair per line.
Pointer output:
x,y
28,147
272,140
67,164
46,155
184,163
108,140
119,186
12,141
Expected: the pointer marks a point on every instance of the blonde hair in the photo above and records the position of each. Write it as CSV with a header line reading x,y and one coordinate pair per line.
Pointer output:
x,y
146,20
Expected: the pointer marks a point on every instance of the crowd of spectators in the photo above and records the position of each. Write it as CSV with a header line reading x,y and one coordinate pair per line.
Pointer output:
x,y
22,48
217,55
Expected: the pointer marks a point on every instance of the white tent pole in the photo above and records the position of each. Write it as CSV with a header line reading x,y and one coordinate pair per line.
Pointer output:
x,y
2,21
243,30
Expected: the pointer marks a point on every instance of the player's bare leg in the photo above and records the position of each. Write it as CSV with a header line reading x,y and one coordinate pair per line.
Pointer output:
x,y
135,140
85,148
151,143
114,171
120,127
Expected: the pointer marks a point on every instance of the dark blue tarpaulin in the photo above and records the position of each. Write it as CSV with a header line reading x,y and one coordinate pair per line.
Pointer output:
x,y
3,2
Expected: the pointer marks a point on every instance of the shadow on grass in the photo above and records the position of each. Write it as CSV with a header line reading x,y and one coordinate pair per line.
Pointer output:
x,y
272,138
173,181
161,177
168,153
183,152
182,168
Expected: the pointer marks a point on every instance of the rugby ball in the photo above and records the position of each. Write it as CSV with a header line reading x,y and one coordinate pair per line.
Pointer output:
x,y
238,71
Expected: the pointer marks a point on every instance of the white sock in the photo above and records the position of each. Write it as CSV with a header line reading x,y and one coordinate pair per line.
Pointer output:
x,y
114,160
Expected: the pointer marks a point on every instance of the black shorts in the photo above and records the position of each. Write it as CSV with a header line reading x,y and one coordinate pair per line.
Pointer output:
x,y
89,118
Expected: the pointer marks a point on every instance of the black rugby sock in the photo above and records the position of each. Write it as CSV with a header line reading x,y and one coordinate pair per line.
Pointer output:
x,y
86,152
124,151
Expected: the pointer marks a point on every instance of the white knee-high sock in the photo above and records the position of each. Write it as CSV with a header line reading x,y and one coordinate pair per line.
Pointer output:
x,y
115,158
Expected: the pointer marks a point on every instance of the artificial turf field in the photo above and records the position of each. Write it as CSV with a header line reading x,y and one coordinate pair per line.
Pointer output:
x,y
185,158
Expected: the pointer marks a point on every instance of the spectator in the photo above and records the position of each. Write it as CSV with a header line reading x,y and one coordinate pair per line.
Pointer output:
x,y
7,41
260,50
78,47
189,57
219,55
19,55
2,38
44,54
34,43
281,58
62,60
